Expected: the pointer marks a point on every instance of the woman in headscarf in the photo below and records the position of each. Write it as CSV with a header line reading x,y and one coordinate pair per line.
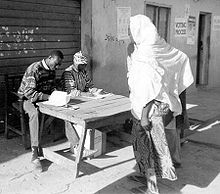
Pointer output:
x,y
158,74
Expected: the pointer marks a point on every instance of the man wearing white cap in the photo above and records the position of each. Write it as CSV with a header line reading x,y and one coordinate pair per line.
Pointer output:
x,y
76,81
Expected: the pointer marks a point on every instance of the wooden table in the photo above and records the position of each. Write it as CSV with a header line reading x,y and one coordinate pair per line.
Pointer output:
x,y
92,114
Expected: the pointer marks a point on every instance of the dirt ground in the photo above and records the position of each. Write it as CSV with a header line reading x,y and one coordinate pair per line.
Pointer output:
x,y
106,174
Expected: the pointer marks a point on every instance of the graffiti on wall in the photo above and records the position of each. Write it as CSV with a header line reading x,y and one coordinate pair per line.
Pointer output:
x,y
114,39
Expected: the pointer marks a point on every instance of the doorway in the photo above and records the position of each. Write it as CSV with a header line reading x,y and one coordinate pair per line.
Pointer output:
x,y
203,56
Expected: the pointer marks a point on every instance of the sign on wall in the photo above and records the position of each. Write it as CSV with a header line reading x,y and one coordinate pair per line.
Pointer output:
x,y
216,23
180,27
187,10
191,30
123,20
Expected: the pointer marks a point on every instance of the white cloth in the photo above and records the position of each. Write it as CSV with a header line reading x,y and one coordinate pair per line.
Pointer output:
x,y
157,71
79,58
45,65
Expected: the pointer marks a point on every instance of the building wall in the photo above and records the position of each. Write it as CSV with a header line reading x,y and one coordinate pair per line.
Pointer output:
x,y
109,54
30,29
86,30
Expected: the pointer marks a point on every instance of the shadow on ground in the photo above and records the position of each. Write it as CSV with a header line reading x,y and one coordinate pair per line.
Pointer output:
x,y
200,167
107,174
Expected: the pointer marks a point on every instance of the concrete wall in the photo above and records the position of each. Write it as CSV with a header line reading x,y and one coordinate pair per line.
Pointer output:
x,y
30,29
109,54
86,30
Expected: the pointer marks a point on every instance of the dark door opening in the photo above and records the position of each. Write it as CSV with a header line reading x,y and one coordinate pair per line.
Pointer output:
x,y
203,49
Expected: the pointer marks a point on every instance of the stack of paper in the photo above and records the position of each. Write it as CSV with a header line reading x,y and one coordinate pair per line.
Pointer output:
x,y
100,93
58,98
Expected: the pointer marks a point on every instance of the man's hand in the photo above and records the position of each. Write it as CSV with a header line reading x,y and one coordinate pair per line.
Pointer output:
x,y
146,124
45,97
87,94
74,93
93,90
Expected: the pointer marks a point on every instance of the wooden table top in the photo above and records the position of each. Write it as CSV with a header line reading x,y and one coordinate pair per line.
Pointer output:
x,y
89,109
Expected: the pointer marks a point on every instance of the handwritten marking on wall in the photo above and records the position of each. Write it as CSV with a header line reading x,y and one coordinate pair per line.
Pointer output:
x,y
111,38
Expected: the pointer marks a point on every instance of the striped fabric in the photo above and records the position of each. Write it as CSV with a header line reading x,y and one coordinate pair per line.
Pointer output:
x,y
75,81
37,83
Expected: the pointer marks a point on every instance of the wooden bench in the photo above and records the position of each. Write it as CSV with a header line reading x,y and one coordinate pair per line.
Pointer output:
x,y
15,118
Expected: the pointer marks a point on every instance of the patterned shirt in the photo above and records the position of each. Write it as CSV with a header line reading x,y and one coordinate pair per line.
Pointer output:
x,y
74,81
37,83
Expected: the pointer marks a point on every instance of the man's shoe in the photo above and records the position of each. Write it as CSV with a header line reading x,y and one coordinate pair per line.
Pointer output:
x,y
86,152
35,160
40,151
37,165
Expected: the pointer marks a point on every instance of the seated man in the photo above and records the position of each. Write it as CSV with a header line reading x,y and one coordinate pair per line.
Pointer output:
x,y
76,81
37,84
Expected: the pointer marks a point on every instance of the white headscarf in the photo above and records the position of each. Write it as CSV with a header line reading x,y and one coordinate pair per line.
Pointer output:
x,y
78,58
158,70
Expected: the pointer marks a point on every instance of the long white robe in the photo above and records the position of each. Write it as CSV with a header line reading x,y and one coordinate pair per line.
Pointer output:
x,y
157,71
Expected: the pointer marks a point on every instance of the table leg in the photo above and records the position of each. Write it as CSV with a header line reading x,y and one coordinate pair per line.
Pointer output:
x,y
80,149
41,127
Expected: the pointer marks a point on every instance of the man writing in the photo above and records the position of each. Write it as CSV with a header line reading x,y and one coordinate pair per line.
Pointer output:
x,y
37,84
76,82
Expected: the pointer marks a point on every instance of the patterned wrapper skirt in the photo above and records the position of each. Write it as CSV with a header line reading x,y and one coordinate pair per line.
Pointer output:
x,y
151,150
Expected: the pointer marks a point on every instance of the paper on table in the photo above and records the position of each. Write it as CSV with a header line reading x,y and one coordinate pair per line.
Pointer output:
x,y
58,98
100,93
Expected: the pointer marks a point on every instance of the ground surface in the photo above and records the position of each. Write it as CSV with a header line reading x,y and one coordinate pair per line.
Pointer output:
x,y
107,174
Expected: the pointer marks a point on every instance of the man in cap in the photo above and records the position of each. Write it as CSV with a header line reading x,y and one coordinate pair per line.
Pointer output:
x,y
76,81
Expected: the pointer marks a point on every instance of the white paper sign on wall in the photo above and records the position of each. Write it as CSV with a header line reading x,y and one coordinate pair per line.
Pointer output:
x,y
191,30
180,27
123,20
216,23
